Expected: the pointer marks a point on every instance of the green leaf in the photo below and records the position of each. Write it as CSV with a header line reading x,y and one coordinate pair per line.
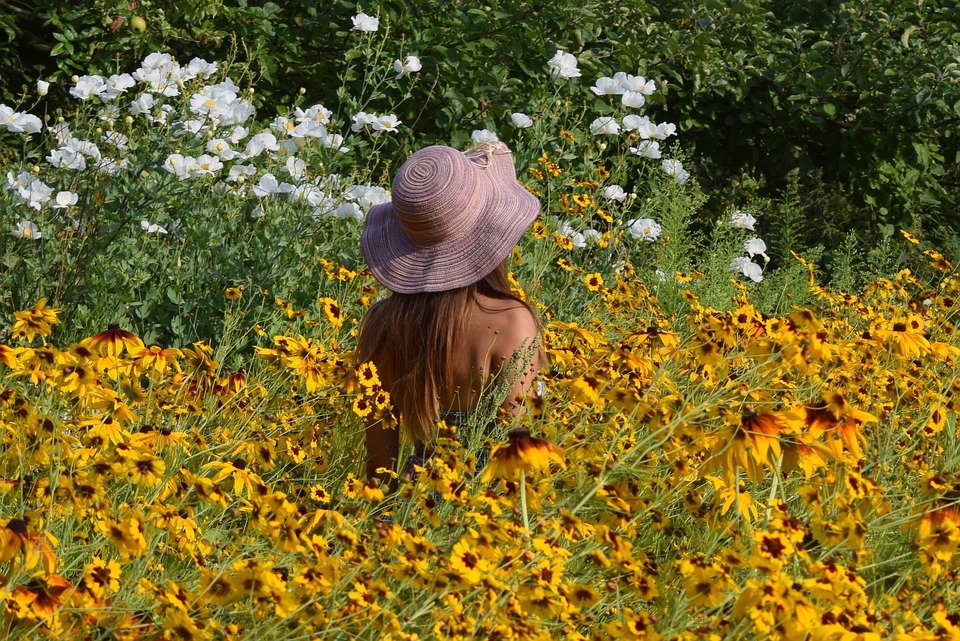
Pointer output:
x,y
174,297
830,109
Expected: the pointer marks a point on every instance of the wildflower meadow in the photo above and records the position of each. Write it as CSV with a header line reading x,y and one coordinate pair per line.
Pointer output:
x,y
732,440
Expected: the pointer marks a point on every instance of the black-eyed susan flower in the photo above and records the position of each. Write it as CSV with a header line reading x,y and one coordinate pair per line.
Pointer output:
x,y
38,321
636,626
8,357
113,341
362,406
593,281
582,200
126,534
367,375
468,563
522,453
100,576
145,469
332,311
905,336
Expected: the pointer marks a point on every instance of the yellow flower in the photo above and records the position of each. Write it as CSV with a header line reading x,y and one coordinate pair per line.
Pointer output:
x,y
522,453
113,341
635,626
583,200
146,469
126,534
367,374
233,293
467,563
593,281
332,311
217,588
910,237
362,406
8,357
34,322
905,337
100,576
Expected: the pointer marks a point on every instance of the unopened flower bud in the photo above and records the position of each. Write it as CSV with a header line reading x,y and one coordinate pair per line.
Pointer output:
x,y
303,90
35,169
42,87
602,146
128,120
74,78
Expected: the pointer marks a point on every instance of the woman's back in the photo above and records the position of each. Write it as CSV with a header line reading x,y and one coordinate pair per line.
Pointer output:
x,y
495,329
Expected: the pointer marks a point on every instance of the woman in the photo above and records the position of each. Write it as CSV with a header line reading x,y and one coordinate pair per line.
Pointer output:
x,y
451,326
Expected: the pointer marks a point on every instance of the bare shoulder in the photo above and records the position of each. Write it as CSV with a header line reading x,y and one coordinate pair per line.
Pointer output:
x,y
513,324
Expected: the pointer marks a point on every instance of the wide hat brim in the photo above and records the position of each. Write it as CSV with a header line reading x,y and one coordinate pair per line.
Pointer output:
x,y
407,268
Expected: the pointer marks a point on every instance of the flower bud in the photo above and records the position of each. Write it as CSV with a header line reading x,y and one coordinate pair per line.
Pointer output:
x,y
35,169
602,146
144,173
74,78
42,87
128,120
303,90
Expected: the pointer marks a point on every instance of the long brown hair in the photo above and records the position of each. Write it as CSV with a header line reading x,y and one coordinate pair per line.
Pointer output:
x,y
413,340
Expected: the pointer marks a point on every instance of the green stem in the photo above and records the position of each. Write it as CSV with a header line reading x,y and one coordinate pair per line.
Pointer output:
x,y
523,500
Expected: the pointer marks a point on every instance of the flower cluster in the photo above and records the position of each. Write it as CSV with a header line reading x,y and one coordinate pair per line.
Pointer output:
x,y
753,247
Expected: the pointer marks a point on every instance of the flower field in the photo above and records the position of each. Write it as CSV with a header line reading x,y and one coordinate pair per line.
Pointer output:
x,y
727,446
726,474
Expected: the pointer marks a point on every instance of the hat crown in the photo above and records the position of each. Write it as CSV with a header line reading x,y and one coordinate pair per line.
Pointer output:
x,y
437,193
452,218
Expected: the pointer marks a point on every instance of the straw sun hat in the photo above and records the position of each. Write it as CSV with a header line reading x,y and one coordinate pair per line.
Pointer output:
x,y
452,218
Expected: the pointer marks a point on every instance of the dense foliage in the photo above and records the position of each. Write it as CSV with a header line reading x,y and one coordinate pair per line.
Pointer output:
x,y
860,100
